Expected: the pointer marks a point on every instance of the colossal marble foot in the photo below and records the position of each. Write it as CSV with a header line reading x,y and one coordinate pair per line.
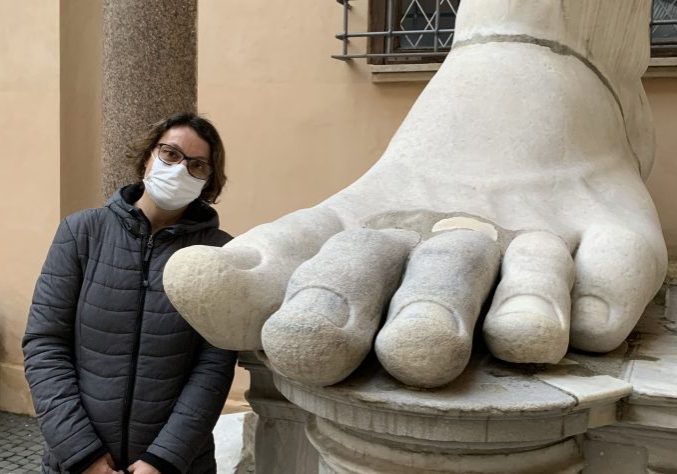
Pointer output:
x,y
518,173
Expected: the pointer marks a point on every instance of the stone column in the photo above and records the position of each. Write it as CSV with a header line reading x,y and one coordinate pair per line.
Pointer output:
x,y
149,72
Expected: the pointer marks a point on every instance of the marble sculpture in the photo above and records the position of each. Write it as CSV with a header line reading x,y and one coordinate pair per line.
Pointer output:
x,y
512,194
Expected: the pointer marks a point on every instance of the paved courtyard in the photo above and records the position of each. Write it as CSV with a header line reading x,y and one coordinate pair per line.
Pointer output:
x,y
20,444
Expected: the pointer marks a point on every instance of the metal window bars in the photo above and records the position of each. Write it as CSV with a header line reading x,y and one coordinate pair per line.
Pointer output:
x,y
664,28
396,29
441,37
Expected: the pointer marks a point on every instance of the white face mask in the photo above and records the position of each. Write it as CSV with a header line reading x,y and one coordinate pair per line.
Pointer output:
x,y
171,187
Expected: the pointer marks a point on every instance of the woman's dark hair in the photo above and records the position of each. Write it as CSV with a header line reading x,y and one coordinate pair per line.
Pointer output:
x,y
139,150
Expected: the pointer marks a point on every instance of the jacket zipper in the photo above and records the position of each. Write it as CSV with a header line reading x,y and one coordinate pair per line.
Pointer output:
x,y
146,252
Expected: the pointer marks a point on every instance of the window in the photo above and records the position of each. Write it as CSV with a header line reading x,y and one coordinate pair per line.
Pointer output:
x,y
421,31
664,28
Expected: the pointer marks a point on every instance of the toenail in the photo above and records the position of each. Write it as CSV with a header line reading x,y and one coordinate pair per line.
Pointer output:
x,y
404,345
528,304
428,312
526,328
591,309
324,302
462,222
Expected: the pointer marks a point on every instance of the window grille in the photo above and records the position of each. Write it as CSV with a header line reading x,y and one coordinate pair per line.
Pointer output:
x,y
417,31
664,28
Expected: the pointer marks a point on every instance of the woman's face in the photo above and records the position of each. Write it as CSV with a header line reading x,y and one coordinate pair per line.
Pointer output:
x,y
184,139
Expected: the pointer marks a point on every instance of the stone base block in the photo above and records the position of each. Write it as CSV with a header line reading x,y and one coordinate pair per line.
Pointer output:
x,y
345,451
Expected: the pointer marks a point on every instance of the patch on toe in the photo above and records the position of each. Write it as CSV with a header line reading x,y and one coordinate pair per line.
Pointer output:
x,y
428,223
463,222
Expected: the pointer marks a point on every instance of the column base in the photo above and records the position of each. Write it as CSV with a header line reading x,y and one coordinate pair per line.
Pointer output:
x,y
347,451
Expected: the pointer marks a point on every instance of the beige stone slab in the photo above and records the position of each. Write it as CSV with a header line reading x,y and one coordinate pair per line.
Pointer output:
x,y
658,317
588,391
654,379
662,346
639,413
612,458
651,450
652,372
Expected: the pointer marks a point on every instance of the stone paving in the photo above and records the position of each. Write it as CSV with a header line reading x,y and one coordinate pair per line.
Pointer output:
x,y
20,444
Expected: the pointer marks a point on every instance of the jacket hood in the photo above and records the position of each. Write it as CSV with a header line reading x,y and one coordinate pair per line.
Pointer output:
x,y
198,215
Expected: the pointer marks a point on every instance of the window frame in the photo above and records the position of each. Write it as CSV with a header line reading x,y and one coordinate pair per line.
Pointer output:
x,y
382,30
378,21
662,49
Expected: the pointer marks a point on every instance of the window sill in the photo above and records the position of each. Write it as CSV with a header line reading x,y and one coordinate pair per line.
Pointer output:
x,y
662,67
403,72
658,67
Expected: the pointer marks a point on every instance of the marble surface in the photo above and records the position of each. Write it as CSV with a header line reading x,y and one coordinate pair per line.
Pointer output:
x,y
372,421
651,367
491,402
552,174
229,442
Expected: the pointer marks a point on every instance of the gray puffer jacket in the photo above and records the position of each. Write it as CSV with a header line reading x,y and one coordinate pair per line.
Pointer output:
x,y
111,365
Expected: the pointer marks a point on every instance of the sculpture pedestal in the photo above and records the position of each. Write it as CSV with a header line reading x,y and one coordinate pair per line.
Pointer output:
x,y
281,445
647,427
494,418
614,413
344,450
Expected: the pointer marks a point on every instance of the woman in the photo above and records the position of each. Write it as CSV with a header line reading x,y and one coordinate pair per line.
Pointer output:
x,y
119,380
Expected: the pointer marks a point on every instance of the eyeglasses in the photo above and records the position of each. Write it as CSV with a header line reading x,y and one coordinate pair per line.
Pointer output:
x,y
197,168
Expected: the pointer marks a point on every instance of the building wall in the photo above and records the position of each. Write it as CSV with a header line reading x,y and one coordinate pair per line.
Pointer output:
x,y
49,129
29,134
80,100
662,182
297,125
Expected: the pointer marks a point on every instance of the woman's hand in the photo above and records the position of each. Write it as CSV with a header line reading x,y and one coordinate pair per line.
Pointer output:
x,y
140,467
103,465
